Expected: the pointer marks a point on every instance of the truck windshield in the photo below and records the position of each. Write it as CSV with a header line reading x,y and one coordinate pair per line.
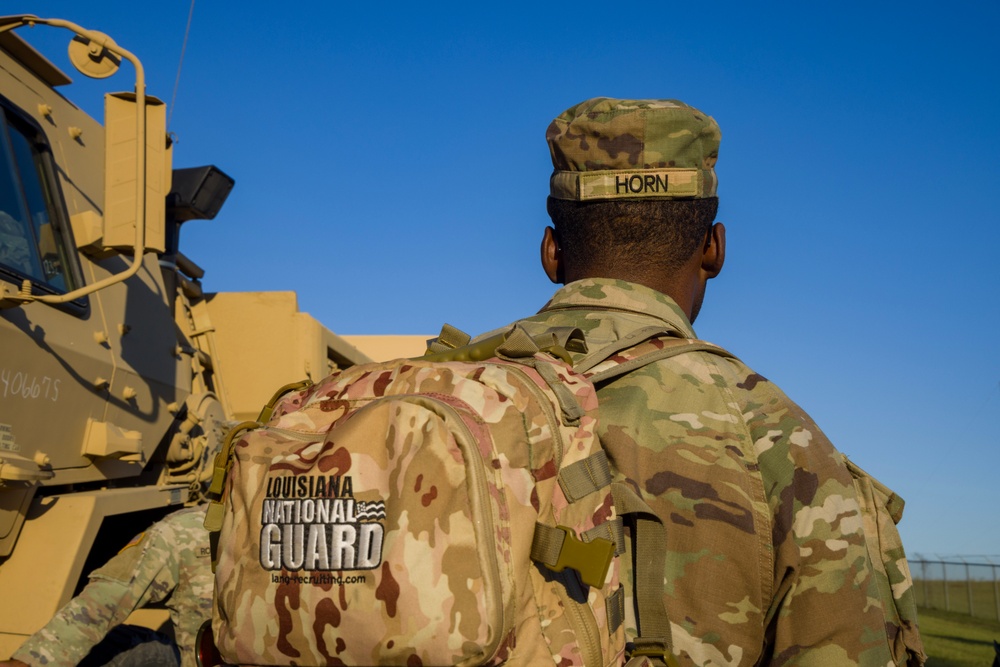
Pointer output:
x,y
32,243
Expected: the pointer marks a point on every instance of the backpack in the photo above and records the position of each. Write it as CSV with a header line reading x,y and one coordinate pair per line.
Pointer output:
x,y
455,509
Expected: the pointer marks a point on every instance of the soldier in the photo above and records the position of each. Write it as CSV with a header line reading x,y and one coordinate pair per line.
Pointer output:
x,y
169,562
779,550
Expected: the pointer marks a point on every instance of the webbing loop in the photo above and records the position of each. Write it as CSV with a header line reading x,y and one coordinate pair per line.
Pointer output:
x,y
569,406
615,606
612,530
585,476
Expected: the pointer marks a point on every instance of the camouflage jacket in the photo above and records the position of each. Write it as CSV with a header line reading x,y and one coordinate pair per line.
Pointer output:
x,y
170,562
779,550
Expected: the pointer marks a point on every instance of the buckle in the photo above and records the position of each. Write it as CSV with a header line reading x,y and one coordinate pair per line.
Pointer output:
x,y
652,648
590,559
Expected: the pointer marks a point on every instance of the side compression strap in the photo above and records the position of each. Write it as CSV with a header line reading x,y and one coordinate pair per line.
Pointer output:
x,y
655,639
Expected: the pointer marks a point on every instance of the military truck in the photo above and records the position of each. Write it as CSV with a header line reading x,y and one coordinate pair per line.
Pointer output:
x,y
119,374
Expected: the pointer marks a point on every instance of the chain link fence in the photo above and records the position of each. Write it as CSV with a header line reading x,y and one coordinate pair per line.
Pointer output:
x,y
962,584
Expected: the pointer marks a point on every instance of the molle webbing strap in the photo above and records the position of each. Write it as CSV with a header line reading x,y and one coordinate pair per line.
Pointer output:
x,y
585,476
512,344
616,609
546,544
450,338
567,338
517,344
568,404
649,557
478,351
612,530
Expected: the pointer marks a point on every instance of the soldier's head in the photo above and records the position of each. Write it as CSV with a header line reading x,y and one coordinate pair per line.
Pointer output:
x,y
633,197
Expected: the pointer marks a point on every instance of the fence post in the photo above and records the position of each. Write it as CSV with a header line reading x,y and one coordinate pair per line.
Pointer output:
x,y
968,588
944,580
927,595
996,591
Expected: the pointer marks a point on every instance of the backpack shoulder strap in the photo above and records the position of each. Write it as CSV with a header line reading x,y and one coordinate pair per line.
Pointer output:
x,y
605,352
642,347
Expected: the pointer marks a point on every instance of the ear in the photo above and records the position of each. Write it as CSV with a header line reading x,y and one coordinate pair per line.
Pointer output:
x,y
551,256
714,252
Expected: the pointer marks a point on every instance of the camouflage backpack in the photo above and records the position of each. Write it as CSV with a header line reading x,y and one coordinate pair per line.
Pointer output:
x,y
454,509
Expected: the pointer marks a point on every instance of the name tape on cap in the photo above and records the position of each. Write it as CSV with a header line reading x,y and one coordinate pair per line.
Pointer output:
x,y
630,184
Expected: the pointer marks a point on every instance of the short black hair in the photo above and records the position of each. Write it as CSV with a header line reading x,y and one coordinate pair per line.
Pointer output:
x,y
624,232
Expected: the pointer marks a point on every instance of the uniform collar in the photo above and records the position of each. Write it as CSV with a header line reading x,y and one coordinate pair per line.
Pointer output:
x,y
620,295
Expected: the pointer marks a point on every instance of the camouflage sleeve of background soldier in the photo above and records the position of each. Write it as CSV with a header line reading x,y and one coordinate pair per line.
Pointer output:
x,y
842,588
145,571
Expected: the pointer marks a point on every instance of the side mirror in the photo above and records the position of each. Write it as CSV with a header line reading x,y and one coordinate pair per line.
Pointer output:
x,y
96,55
121,172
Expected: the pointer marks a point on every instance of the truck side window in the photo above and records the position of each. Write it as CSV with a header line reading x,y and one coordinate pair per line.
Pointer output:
x,y
33,243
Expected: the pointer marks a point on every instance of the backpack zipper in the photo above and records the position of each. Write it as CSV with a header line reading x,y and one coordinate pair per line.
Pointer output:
x,y
303,436
581,617
485,503
585,626
539,393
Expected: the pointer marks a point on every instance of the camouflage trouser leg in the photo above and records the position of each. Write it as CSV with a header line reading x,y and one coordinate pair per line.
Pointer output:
x,y
133,646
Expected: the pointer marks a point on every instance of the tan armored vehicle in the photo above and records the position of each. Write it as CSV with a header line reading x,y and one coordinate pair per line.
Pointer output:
x,y
118,374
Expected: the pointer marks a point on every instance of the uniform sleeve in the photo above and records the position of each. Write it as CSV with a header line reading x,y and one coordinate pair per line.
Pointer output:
x,y
143,572
833,601
771,558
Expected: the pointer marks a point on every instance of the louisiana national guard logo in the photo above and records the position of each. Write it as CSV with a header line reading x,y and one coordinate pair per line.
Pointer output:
x,y
314,523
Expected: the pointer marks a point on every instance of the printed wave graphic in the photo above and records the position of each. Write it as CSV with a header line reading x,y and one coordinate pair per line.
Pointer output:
x,y
370,511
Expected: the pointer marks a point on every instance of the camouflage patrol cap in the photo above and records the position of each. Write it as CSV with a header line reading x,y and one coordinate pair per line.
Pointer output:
x,y
607,148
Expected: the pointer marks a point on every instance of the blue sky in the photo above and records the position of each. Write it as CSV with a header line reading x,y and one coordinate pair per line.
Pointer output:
x,y
391,168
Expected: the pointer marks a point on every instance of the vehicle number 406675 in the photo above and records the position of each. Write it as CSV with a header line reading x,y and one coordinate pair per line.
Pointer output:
x,y
19,383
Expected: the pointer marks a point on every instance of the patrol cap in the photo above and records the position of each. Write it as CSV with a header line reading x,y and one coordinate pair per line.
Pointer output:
x,y
608,148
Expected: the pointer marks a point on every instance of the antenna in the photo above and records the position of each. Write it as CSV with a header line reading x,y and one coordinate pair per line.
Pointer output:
x,y
177,81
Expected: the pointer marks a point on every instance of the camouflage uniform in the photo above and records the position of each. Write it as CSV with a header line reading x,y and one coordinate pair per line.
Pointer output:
x,y
768,552
779,550
169,562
